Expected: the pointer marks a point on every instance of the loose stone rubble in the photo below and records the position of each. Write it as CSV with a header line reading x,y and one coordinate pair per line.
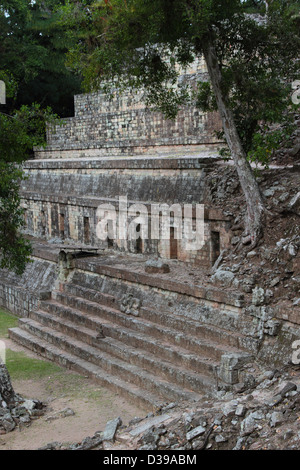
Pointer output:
x,y
15,411
263,416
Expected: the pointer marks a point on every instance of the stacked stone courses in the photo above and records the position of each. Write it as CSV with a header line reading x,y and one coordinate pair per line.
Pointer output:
x,y
82,166
122,124
91,305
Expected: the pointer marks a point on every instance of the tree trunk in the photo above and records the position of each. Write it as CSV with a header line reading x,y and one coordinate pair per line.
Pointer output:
x,y
254,202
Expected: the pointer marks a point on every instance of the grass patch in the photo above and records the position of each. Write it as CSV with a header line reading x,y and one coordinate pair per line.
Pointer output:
x,y
7,320
19,365
56,380
22,367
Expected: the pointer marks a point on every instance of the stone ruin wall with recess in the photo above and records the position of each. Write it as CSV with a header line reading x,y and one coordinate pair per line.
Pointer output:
x,y
62,203
81,167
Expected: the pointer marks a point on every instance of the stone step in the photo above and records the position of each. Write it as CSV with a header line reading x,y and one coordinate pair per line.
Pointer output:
x,y
180,323
140,397
174,354
191,343
185,325
181,375
89,294
219,297
112,365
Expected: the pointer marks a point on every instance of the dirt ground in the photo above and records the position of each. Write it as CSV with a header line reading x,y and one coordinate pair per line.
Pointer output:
x,y
92,405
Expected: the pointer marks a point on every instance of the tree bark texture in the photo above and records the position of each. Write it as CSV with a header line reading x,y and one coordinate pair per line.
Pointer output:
x,y
249,185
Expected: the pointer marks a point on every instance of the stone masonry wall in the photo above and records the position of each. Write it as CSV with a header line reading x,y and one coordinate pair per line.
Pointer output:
x,y
61,200
76,172
74,221
123,122
21,294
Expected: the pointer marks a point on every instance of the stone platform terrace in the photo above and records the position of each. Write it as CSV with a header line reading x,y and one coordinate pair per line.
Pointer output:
x,y
153,337
150,337
90,304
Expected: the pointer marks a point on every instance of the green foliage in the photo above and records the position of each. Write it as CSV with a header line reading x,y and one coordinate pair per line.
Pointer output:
x,y
15,249
257,78
22,367
19,133
32,65
7,320
266,142
137,44
32,49
204,97
23,130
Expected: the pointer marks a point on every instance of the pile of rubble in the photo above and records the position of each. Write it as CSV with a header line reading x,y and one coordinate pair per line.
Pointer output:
x,y
274,264
266,416
15,411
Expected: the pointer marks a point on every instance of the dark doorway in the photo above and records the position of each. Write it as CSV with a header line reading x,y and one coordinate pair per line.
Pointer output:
x,y
173,244
110,242
215,246
111,234
138,242
43,223
86,230
62,226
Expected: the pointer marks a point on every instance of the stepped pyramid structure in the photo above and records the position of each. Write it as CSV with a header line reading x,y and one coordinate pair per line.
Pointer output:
x,y
99,306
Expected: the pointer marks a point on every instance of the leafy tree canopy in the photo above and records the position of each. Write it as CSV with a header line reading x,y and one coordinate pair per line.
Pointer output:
x,y
19,133
139,44
32,50
32,65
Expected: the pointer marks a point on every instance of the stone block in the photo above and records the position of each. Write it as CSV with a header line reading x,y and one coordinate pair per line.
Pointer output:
x,y
111,429
230,365
153,266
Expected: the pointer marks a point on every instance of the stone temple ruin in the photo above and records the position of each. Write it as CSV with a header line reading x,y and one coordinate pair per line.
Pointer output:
x,y
119,310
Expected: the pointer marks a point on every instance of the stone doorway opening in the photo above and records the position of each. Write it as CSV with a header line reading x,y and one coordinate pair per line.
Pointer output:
x,y
86,230
173,244
139,241
62,226
215,246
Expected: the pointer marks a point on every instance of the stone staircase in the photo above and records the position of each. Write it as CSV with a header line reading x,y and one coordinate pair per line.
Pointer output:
x,y
150,358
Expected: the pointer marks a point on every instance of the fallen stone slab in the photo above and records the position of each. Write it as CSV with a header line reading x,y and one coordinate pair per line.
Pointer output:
x,y
149,423
294,204
198,431
111,429
289,387
89,443
61,414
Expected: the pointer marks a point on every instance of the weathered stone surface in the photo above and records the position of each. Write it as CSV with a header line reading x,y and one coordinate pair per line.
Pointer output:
x,y
198,431
130,305
7,393
224,277
14,409
289,387
111,429
156,266
122,123
252,423
277,418
7,422
230,365
294,204
148,424
258,296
